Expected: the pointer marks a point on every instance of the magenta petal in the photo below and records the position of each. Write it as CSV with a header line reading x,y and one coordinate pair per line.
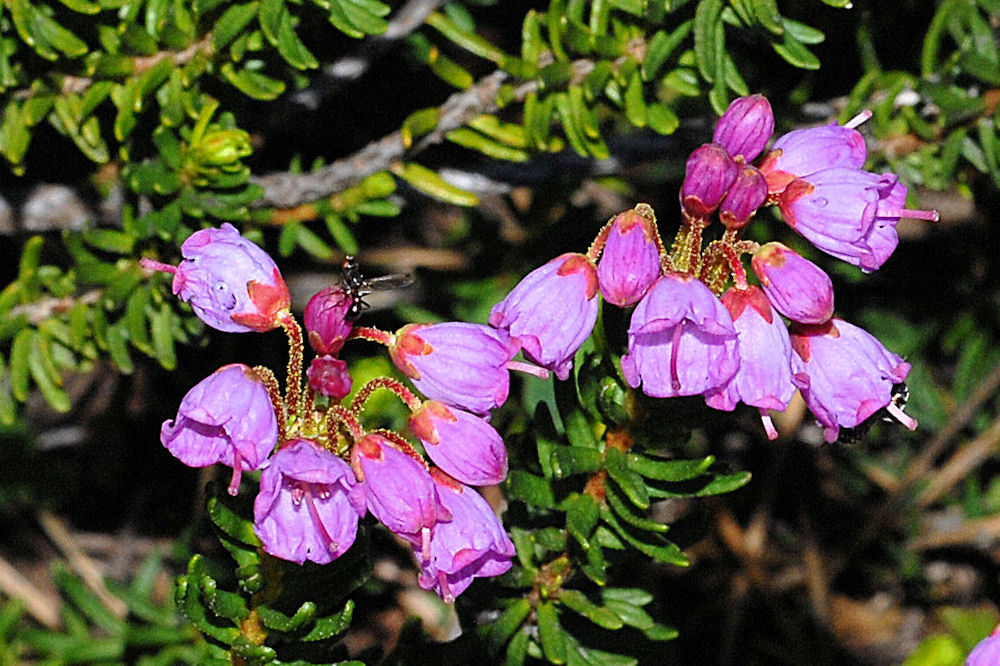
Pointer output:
x,y
472,544
398,489
844,373
745,127
630,261
681,340
303,511
460,364
551,311
227,417
464,445
798,288
218,267
764,378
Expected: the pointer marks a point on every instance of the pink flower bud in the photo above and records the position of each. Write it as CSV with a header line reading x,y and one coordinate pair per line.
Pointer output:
x,y
462,444
326,320
329,376
747,194
745,127
709,173
630,262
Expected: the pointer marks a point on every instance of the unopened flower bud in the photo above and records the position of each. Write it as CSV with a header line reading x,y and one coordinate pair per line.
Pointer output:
x,y
630,262
708,175
744,198
329,376
326,320
745,127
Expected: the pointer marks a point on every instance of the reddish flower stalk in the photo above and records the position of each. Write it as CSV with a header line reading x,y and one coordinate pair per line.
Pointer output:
x,y
388,383
293,388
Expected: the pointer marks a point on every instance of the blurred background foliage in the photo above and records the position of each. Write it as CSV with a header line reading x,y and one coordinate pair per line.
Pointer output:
x,y
468,142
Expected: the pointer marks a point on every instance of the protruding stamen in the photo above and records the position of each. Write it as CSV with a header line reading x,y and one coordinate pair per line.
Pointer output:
x,y
529,368
901,416
152,265
234,482
929,215
858,119
425,544
675,380
331,545
765,417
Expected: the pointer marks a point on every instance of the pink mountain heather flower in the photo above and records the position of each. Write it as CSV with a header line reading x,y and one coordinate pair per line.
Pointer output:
x,y
304,509
630,261
986,652
708,175
745,127
681,340
848,213
798,288
845,375
462,444
226,417
805,151
747,194
231,284
764,378
326,320
551,311
465,365
329,376
398,490
473,544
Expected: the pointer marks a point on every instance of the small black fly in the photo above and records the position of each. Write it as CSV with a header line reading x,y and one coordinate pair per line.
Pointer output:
x,y
900,395
357,286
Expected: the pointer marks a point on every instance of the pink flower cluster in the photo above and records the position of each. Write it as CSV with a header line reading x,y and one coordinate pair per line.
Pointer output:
x,y
697,326
321,470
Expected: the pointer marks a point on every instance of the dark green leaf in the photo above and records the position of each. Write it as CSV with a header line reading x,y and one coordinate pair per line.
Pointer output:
x,y
661,46
631,483
599,615
232,22
668,470
707,28
725,483
252,83
508,623
550,633
569,460
530,489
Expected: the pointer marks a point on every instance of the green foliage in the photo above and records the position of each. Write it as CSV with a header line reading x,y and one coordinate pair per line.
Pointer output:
x,y
274,607
151,634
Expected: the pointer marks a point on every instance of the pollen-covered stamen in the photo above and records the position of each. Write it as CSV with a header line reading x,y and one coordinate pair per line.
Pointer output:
x,y
321,491
234,482
675,379
901,416
765,417
858,119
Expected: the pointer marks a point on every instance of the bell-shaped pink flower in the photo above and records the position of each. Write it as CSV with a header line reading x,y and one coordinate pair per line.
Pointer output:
x,y
473,544
227,417
460,364
681,340
329,376
764,378
304,510
798,288
231,284
551,311
986,652
845,375
398,490
326,320
805,151
747,194
848,213
745,127
462,444
630,261
708,175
